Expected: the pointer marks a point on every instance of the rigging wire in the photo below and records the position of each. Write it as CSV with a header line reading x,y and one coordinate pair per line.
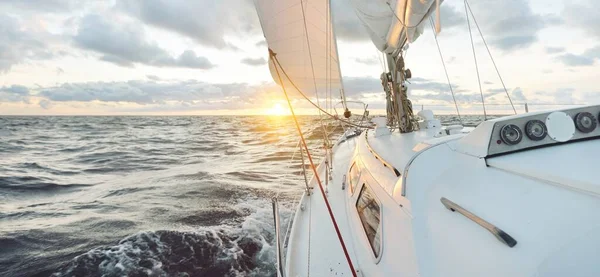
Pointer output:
x,y
400,20
274,57
491,57
445,70
476,66
312,66
314,169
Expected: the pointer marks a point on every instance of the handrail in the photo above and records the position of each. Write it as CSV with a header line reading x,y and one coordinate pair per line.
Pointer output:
x,y
379,158
278,244
497,232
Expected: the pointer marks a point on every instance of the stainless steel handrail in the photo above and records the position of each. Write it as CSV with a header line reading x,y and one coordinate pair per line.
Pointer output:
x,y
497,232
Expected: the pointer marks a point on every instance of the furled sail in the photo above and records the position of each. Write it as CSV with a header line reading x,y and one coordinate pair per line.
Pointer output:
x,y
392,23
300,33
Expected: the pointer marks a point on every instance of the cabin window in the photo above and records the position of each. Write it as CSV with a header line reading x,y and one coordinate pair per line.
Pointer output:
x,y
370,217
353,176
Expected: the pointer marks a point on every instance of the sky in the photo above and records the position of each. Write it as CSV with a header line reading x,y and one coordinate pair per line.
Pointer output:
x,y
168,57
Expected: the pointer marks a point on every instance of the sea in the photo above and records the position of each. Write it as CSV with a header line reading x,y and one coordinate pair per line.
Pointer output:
x,y
150,195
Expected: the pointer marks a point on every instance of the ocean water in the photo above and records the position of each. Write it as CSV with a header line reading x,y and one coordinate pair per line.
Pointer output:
x,y
147,196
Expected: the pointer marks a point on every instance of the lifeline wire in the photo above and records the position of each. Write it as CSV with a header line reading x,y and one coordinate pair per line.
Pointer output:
x,y
314,168
476,66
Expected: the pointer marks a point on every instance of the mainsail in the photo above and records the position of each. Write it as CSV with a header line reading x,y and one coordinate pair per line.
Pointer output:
x,y
392,23
300,33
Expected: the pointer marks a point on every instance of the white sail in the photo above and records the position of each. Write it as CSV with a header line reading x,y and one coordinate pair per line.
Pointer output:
x,y
301,35
392,22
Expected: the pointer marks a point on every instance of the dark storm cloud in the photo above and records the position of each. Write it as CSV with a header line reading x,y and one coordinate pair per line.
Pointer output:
x,y
126,44
207,22
254,61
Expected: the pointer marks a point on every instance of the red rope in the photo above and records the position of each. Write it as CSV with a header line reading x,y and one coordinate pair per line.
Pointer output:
x,y
312,165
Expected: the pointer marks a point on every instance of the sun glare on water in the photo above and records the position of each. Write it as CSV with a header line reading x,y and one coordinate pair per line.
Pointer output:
x,y
277,110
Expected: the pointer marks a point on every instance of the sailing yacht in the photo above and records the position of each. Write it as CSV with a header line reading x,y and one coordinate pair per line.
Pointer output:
x,y
406,196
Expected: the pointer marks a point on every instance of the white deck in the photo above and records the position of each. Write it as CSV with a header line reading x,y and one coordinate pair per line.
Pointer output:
x,y
547,199
314,248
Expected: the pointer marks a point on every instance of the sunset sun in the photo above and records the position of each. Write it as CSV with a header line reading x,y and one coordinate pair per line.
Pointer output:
x,y
277,110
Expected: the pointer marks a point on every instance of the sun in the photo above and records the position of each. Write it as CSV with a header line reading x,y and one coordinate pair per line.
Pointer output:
x,y
277,110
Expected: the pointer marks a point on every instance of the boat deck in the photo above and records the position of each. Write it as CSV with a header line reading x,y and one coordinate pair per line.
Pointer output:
x,y
312,255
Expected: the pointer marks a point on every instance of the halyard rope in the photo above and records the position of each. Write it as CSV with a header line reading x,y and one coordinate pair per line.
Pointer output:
x,y
274,58
316,174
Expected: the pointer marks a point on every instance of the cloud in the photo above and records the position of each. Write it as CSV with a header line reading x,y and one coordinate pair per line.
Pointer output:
x,y
126,44
584,59
575,60
45,104
61,6
14,93
584,15
450,17
254,61
555,50
16,89
368,60
422,84
19,44
149,92
207,22
347,25
355,86
512,30
517,95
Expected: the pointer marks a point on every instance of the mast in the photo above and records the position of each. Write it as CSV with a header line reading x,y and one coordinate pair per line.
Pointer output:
x,y
405,23
399,108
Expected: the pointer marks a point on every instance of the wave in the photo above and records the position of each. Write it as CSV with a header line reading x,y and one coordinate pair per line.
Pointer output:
x,y
206,252
30,183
